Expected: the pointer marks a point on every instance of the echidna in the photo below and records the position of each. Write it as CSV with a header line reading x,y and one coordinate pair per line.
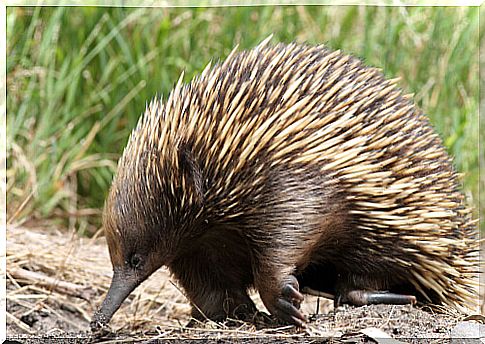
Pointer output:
x,y
285,167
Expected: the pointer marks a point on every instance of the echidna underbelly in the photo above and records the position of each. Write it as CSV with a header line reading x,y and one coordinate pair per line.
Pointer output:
x,y
295,141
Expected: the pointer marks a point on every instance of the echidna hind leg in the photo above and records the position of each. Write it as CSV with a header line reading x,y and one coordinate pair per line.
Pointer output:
x,y
371,289
365,297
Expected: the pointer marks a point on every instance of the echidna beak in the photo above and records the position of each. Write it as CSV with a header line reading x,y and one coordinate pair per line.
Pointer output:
x,y
122,285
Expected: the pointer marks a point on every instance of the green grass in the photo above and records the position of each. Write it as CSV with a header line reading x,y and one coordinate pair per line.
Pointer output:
x,y
78,78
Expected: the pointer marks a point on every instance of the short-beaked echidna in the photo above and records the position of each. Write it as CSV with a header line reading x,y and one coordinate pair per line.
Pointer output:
x,y
285,167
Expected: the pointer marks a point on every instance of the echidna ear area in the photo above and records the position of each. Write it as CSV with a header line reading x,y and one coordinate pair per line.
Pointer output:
x,y
310,105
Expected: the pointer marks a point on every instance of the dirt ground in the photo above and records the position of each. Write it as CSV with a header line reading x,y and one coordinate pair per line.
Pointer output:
x,y
56,280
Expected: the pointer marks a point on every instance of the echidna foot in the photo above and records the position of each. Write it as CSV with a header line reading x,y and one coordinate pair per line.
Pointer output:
x,y
285,306
365,297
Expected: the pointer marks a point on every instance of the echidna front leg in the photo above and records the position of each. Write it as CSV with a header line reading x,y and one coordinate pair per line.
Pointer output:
x,y
213,301
281,296
216,290
217,304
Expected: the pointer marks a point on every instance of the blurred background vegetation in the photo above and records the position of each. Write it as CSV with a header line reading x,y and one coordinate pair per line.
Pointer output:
x,y
79,77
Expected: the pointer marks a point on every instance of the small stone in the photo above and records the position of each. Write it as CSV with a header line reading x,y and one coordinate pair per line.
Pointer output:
x,y
467,332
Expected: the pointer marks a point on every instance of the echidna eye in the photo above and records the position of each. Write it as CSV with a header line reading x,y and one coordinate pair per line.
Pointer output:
x,y
135,261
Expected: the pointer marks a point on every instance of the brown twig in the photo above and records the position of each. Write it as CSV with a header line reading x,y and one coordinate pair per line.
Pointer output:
x,y
62,287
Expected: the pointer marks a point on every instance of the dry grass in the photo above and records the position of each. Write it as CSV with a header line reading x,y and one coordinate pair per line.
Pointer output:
x,y
78,79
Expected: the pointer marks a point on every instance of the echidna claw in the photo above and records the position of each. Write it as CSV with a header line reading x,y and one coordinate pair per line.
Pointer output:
x,y
287,312
287,305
